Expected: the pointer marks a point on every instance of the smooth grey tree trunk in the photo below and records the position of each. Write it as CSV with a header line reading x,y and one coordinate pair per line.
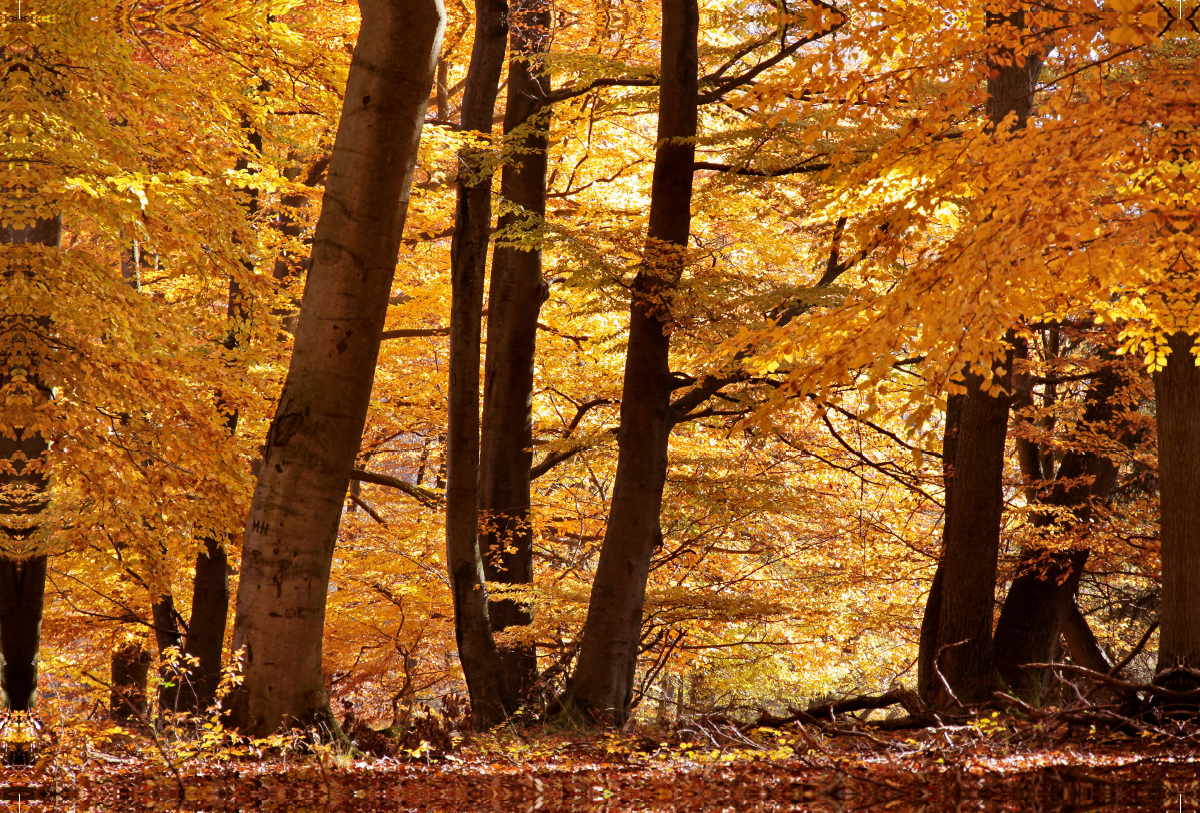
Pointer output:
x,y
312,442
515,297
602,684
468,265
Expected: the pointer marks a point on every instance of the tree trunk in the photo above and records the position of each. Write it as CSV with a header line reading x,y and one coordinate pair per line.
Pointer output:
x,y
1081,642
515,299
927,678
971,544
1177,394
130,672
602,683
1043,590
167,635
312,442
22,596
24,481
959,645
206,630
468,262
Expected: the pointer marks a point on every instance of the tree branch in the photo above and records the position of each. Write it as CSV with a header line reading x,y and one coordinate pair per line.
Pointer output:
x,y
762,173
421,494
746,78
364,505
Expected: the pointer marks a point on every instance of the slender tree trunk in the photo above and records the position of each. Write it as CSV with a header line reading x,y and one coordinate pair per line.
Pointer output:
x,y
515,299
24,480
468,263
1177,394
205,639
287,267
927,651
602,683
126,660
1043,590
311,445
130,673
167,635
960,644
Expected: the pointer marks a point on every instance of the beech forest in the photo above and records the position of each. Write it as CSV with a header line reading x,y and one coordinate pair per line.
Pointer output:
x,y
617,404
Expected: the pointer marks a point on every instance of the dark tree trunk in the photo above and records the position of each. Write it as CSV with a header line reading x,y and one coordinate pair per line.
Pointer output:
x,y
1177,394
927,650
602,683
311,445
24,480
515,298
1033,617
22,596
206,629
195,687
468,263
130,672
1043,590
289,267
971,544
1081,642
959,644
167,635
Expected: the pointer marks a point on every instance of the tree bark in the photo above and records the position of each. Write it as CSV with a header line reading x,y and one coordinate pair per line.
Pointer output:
x,y
1177,394
927,678
24,480
205,639
960,644
971,544
602,683
130,673
314,437
1043,590
468,262
22,596
166,635
1081,642
515,298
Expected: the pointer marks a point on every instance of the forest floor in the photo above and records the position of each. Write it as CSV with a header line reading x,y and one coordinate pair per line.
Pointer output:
x,y
993,764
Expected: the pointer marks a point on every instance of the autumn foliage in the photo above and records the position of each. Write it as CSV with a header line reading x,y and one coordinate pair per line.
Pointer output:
x,y
736,295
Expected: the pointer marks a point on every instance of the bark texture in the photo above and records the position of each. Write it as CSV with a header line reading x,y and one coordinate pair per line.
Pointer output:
x,y
314,437
515,298
206,630
1081,642
1177,393
24,480
971,544
165,618
958,644
602,683
468,265
1042,595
